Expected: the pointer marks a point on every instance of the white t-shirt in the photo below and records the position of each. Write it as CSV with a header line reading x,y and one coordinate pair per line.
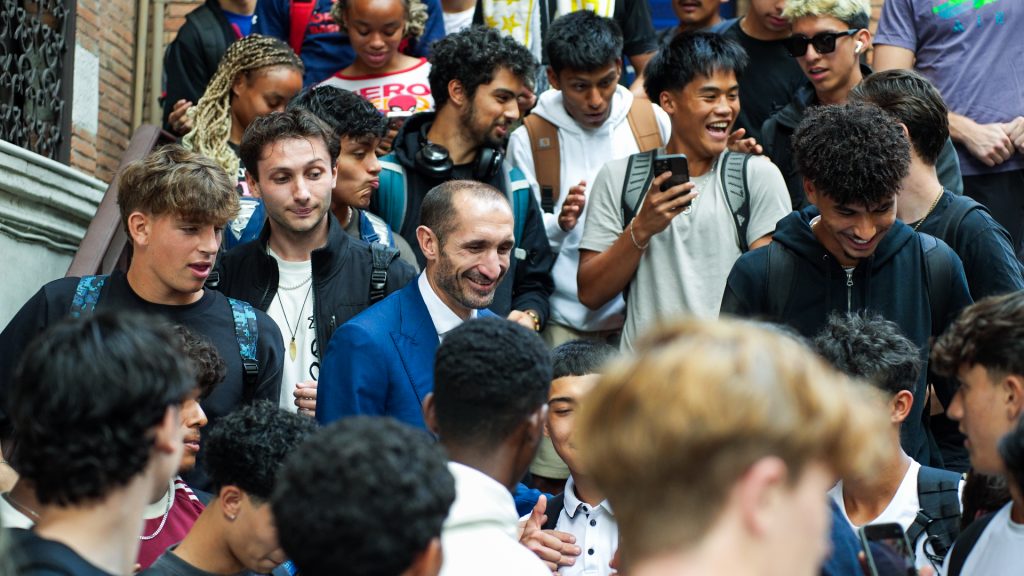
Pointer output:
x,y
683,271
902,509
403,90
998,550
292,309
458,21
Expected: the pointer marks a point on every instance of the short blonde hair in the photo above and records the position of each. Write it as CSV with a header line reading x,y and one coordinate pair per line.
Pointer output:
x,y
855,13
666,435
173,180
415,16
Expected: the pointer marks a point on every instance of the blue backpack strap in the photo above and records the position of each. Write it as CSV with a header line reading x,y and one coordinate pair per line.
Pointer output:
x,y
87,295
246,333
391,199
366,230
517,188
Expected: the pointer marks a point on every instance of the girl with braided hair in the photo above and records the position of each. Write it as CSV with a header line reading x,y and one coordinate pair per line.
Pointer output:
x,y
257,75
395,83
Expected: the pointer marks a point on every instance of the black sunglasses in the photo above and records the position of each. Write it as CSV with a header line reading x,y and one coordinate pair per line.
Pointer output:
x,y
823,42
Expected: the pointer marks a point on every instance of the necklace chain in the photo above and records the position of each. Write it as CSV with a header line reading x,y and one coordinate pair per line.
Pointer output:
x,y
167,512
930,209
299,285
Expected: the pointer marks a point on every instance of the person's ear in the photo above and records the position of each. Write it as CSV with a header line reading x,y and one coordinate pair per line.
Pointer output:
x,y
428,561
666,102
253,185
429,243
902,403
863,38
168,432
810,192
230,502
457,93
759,494
430,414
553,78
1013,387
140,226
239,84
535,425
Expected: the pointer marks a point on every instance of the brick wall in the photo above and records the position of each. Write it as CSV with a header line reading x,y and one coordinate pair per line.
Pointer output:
x,y
106,29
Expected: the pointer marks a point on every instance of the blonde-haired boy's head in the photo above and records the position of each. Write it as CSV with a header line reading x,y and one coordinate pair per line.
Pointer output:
x,y
669,434
854,13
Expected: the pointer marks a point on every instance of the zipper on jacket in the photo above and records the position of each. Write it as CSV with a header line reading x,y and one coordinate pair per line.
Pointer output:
x,y
849,289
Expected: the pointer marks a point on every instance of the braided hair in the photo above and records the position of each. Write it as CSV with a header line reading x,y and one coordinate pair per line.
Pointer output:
x,y
212,115
415,17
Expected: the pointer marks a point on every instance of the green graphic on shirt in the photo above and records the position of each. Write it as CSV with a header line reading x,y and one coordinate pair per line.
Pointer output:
x,y
953,8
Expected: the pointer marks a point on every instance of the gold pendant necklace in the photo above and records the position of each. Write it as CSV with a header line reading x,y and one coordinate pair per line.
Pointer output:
x,y
292,351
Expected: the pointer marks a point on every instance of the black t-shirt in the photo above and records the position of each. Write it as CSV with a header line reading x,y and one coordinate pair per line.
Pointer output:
x,y
211,316
33,555
769,81
634,17
982,244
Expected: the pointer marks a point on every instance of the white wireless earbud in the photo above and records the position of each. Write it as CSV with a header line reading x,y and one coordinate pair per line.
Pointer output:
x,y
856,49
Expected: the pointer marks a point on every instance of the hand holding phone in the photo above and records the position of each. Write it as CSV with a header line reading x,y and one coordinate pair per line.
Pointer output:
x,y
886,550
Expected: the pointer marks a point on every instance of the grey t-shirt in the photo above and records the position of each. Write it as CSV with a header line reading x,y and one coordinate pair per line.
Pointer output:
x,y
974,55
683,271
169,564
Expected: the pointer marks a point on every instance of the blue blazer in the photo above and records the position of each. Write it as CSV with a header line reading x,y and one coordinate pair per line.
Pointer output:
x,y
381,362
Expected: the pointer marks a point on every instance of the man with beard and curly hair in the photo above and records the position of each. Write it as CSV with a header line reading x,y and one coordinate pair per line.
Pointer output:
x,y
847,251
475,78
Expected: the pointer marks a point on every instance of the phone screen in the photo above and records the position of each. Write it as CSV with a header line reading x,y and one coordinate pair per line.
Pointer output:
x,y
887,550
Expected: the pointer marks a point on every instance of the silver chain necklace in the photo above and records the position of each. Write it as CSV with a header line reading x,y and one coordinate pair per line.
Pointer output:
x,y
167,512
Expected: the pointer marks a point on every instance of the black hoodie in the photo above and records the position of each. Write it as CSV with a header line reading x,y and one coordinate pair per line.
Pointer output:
x,y
892,282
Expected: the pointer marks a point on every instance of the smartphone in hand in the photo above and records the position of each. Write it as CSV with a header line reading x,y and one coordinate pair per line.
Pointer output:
x,y
677,165
887,550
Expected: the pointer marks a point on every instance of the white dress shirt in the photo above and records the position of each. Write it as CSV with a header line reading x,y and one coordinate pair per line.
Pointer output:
x,y
595,530
444,319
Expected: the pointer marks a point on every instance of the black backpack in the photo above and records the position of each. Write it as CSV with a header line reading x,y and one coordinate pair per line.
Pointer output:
x,y
938,519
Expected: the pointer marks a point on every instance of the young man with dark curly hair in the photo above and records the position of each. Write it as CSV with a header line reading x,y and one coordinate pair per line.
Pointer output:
x,y
984,349
304,271
488,408
96,401
236,531
475,78
174,206
848,252
320,502
925,501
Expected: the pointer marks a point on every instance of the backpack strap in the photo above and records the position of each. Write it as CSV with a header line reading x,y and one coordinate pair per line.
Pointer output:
x,y
955,214
553,511
87,295
939,277
644,124
939,515
382,257
246,333
639,174
737,193
780,275
518,191
367,232
547,159
301,12
373,228
965,543
391,192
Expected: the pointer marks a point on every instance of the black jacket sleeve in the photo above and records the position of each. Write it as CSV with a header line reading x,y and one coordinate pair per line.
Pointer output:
x,y
189,62
533,282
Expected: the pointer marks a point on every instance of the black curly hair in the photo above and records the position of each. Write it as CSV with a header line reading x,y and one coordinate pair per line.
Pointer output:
x,y
86,397
207,364
868,346
347,113
691,54
582,41
1011,450
490,374
855,153
246,448
473,56
321,501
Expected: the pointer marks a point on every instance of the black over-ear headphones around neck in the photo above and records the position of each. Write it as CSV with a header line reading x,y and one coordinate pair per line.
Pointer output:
x,y
434,160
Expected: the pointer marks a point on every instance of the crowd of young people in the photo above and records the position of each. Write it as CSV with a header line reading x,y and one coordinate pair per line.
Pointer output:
x,y
418,319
